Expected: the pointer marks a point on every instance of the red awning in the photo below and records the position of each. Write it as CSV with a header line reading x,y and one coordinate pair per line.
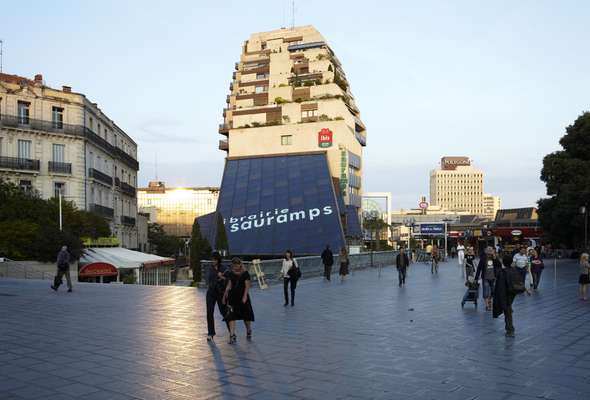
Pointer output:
x,y
97,269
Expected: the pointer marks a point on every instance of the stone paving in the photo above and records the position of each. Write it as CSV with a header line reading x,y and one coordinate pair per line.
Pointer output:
x,y
361,339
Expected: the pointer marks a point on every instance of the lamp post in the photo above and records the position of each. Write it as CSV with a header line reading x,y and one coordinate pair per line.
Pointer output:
x,y
584,210
60,211
446,220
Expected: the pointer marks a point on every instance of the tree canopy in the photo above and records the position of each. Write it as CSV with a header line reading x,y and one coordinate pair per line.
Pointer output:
x,y
566,174
163,244
29,225
200,250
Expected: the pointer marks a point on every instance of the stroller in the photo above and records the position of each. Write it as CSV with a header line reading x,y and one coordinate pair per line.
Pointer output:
x,y
472,291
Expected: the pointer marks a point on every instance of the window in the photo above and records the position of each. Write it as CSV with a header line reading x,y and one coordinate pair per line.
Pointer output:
x,y
23,112
57,188
309,113
261,75
286,140
24,149
261,89
59,151
57,117
0,146
91,123
26,186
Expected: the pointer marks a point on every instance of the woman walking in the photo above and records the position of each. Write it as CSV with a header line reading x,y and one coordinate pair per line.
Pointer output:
x,y
344,263
584,279
291,274
488,270
215,290
237,299
537,266
434,267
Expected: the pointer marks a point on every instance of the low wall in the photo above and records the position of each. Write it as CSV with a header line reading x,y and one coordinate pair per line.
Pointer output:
x,y
313,267
33,270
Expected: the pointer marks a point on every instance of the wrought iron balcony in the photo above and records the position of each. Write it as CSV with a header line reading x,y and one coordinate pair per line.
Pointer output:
x,y
102,211
100,176
59,167
127,189
21,164
117,182
125,220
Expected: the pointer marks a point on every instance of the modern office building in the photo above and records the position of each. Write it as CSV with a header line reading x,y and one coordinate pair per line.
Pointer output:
x,y
294,142
491,205
176,208
54,140
457,186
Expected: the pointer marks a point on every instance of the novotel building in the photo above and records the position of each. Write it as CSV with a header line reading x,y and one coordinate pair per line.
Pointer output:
x,y
294,140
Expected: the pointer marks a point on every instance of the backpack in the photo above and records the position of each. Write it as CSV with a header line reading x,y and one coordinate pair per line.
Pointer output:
x,y
294,272
515,281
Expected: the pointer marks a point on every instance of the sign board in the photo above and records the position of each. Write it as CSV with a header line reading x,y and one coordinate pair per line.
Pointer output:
x,y
451,163
430,229
100,242
423,205
97,269
516,232
325,138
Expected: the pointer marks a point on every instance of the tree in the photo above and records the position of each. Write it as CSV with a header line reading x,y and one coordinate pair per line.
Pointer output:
x,y
163,244
375,225
566,174
200,250
221,243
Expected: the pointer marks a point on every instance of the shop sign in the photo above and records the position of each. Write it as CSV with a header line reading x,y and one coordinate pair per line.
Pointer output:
x,y
97,269
431,229
423,205
516,232
325,138
100,242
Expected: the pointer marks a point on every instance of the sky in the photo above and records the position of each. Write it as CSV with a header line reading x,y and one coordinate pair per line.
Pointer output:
x,y
495,81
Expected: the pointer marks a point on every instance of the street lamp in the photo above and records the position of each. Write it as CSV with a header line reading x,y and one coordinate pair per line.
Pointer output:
x,y
446,220
584,210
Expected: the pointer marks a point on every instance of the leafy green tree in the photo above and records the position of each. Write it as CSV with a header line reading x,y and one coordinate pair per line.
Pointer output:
x,y
200,250
163,244
375,225
221,242
566,174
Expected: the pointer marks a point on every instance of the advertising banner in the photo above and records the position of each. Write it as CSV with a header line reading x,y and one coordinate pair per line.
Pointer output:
x,y
430,229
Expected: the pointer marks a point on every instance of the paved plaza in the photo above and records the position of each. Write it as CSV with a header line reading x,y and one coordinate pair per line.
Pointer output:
x,y
365,338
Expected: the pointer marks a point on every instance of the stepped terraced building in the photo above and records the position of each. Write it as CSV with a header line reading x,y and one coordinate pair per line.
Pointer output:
x,y
294,141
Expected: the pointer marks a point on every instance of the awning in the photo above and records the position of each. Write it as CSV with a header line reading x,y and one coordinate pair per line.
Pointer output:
x,y
122,258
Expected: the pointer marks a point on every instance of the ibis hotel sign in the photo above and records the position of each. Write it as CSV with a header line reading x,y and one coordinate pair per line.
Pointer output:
x,y
325,138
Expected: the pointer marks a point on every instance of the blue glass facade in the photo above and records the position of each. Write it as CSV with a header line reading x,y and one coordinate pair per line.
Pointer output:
x,y
270,204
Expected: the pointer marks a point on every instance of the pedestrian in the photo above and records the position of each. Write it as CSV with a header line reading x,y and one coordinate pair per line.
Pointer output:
x,y
237,299
402,262
344,263
537,266
216,280
470,263
453,252
460,254
328,261
584,279
508,286
63,268
434,266
488,269
291,273
522,262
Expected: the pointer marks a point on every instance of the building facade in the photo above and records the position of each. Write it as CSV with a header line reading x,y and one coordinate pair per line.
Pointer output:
x,y
176,208
56,140
491,205
290,102
457,186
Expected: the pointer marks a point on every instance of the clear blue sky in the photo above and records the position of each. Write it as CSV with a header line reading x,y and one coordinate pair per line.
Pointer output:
x,y
496,81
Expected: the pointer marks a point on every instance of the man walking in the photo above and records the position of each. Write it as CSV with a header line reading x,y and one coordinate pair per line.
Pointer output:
x,y
521,262
401,262
328,261
63,268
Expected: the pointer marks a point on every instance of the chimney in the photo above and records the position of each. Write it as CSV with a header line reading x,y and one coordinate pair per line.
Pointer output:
x,y
38,78
67,89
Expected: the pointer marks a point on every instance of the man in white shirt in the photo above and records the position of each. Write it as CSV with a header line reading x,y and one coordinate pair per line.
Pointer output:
x,y
521,262
460,254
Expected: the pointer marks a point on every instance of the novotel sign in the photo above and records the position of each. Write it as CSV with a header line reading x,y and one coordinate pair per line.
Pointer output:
x,y
450,163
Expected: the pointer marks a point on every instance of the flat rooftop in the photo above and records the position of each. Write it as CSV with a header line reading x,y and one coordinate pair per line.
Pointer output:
x,y
361,339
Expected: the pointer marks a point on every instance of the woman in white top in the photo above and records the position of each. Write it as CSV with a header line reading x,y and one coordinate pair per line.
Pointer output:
x,y
290,273
460,254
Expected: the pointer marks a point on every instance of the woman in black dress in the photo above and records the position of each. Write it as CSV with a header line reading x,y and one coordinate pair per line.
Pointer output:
x,y
237,299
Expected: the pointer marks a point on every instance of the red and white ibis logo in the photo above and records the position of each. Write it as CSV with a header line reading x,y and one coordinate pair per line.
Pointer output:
x,y
325,138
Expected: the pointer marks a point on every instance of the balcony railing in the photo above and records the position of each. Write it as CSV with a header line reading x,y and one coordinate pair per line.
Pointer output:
x,y
224,129
100,176
125,220
21,164
306,46
127,189
223,145
59,167
13,121
102,210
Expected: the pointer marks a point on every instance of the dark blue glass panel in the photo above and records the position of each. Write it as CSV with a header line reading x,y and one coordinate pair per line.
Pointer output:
x,y
271,204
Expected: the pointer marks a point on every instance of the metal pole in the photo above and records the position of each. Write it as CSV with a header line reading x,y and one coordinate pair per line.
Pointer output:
x,y
555,269
445,240
60,214
586,228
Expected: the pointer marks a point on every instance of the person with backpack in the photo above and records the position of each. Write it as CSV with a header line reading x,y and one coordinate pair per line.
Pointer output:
x,y
509,284
216,280
63,268
584,279
328,261
402,262
291,273
487,270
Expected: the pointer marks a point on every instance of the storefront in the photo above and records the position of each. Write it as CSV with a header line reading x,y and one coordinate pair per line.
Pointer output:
x,y
517,226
